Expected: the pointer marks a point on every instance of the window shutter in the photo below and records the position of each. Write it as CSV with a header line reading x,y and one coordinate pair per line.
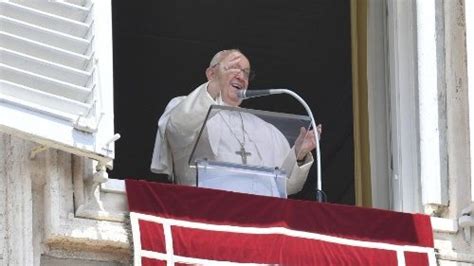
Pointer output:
x,y
56,84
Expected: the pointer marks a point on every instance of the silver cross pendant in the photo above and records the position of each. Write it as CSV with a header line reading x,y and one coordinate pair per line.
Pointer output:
x,y
243,153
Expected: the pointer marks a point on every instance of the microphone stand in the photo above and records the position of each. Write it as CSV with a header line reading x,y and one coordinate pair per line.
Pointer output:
x,y
320,195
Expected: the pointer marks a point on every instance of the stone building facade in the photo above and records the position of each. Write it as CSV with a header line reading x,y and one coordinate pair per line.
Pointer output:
x,y
413,71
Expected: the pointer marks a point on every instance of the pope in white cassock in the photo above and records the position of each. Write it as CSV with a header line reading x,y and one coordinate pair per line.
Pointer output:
x,y
235,137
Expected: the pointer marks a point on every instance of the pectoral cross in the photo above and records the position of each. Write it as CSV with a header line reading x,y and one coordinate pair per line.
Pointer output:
x,y
243,153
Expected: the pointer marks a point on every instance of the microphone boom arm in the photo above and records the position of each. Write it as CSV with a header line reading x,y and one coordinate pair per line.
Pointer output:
x,y
313,124
245,94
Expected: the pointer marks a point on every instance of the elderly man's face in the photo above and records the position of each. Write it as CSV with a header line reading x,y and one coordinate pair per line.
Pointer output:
x,y
232,75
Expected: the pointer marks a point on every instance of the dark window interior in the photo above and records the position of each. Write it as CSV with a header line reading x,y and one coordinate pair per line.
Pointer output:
x,y
162,48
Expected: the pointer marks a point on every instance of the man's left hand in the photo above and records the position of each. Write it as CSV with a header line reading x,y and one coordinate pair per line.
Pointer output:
x,y
306,142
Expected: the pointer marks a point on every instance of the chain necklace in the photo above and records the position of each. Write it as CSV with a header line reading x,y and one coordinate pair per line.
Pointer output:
x,y
242,152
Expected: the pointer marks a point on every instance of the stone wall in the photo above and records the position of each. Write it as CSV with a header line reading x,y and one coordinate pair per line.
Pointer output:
x,y
38,220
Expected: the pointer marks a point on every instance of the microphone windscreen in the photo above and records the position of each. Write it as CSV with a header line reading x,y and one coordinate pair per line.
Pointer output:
x,y
241,94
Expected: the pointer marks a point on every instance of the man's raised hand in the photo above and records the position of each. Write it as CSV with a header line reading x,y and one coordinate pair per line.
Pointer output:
x,y
306,142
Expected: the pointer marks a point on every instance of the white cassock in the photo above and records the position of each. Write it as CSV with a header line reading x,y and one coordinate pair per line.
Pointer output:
x,y
226,132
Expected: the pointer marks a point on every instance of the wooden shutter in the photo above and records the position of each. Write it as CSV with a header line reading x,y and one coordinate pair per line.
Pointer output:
x,y
56,84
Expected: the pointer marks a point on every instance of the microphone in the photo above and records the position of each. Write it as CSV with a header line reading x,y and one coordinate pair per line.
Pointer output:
x,y
246,94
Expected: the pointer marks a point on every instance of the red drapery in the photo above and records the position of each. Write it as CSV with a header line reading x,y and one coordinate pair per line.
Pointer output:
x,y
187,225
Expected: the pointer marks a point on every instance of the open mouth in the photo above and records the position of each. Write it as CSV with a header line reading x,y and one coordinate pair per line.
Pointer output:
x,y
237,86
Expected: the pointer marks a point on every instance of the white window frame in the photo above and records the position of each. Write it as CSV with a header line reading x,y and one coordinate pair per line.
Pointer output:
x,y
392,104
413,175
402,86
378,107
